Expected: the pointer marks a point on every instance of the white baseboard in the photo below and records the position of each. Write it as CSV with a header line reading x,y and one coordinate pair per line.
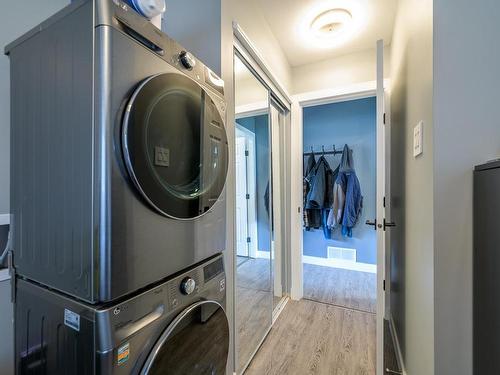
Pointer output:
x,y
397,347
339,263
262,254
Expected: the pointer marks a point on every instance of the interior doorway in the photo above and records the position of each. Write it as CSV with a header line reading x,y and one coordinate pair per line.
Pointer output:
x,y
340,181
246,195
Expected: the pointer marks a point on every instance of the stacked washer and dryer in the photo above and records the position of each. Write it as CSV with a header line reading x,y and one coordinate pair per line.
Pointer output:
x,y
119,158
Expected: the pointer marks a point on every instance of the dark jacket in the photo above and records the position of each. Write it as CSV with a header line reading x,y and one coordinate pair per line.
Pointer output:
x,y
308,168
320,196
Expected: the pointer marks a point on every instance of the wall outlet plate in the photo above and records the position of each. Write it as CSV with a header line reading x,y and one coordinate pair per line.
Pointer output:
x,y
418,139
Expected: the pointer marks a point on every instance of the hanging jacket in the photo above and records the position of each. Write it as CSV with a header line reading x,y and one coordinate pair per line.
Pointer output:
x,y
308,168
335,214
349,182
321,184
321,194
329,198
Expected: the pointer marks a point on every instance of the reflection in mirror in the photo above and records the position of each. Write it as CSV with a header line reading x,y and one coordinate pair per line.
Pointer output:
x,y
278,255
254,296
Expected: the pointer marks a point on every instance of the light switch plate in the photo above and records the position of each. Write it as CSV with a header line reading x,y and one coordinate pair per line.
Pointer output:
x,y
418,139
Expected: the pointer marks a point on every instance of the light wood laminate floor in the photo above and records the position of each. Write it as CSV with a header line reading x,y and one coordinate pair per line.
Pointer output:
x,y
253,306
253,319
335,286
254,274
316,338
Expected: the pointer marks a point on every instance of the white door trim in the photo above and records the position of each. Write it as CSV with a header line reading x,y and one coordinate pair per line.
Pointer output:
x,y
300,101
252,109
251,189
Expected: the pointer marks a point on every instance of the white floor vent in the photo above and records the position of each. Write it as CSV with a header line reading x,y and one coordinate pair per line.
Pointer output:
x,y
342,253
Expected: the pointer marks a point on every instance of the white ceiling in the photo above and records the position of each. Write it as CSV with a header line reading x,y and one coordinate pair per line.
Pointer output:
x,y
288,18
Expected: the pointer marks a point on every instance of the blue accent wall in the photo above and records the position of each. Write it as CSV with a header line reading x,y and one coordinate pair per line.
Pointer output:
x,y
353,123
259,125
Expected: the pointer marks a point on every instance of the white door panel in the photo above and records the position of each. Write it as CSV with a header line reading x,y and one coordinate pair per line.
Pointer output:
x,y
241,200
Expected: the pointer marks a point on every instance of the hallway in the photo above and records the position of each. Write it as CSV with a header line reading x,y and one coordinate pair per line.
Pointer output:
x,y
345,288
316,338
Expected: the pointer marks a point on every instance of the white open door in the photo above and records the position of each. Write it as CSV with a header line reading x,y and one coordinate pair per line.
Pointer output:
x,y
241,200
246,194
383,191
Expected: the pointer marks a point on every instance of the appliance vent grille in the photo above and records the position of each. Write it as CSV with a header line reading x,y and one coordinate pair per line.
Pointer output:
x,y
342,253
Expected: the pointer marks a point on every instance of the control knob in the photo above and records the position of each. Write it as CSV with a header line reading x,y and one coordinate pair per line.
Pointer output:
x,y
187,60
188,286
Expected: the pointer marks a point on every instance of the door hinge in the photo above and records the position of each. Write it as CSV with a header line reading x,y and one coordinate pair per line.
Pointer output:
x,y
384,286
384,118
248,196
249,239
384,202
247,153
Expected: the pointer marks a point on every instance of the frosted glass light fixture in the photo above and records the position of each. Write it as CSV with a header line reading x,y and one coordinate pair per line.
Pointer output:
x,y
331,23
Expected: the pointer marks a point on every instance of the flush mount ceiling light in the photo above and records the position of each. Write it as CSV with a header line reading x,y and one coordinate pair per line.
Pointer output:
x,y
331,23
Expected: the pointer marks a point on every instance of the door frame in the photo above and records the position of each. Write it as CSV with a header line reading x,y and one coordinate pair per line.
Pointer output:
x,y
251,188
301,101
309,99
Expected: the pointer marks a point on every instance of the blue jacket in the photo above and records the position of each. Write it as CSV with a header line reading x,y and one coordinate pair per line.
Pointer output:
x,y
349,183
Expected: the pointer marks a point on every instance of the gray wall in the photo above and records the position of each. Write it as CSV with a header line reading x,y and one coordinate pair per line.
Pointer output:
x,y
467,132
196,25
412,247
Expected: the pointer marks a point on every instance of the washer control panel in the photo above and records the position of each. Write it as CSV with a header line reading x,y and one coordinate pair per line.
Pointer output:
x,y
206,278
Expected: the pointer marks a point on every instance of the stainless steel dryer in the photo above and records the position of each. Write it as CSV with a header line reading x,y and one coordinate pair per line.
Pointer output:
x,y
176,328
119,153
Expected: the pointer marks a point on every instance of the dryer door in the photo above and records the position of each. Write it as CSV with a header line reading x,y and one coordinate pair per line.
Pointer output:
x,y
195,343
175,145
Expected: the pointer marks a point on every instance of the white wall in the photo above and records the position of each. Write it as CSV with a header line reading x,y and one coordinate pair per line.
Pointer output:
x,y
252,21
467,133
412,245
250,92
340,71
16,18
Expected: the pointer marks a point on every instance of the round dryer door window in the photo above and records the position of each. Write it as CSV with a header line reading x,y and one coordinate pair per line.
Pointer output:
x,y
175,145
196,342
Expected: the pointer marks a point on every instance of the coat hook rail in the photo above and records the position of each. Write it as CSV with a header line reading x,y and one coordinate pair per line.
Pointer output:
x,y
333,151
